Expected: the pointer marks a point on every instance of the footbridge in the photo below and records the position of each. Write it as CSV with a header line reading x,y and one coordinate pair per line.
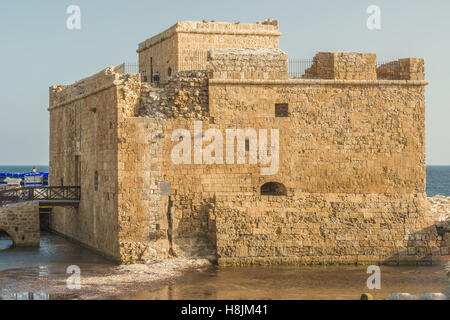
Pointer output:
x,y
21,210
46,196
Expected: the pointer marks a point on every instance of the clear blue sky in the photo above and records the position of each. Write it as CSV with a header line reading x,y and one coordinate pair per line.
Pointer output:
x,y
37,50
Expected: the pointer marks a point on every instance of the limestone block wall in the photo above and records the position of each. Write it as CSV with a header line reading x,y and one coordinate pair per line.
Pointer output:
x,y
343,66
21,222
148,220
159,55
83,151
351,156
339,137
326,229
184,46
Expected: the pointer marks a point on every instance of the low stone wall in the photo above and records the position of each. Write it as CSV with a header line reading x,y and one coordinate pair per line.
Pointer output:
x,y
21,222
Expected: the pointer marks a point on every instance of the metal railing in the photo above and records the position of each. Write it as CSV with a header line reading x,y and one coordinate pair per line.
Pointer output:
x,y
59,193
298,67
128,67
388,70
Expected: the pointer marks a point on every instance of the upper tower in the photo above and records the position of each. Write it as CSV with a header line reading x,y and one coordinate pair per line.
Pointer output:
x,y
184,46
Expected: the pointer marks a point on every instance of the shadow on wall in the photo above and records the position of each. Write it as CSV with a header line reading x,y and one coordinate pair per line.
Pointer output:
x,y
253,230
195,234
426,247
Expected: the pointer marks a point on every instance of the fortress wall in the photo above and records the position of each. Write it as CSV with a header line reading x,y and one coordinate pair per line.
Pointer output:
x,y
144,164
366,138
142,211
353,159
83,126
318,228
184,46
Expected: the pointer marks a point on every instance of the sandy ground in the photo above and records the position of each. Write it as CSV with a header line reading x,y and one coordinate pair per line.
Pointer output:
x,y
120,282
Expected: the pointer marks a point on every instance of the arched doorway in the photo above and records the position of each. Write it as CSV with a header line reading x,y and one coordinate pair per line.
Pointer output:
x,y
273,189
5,240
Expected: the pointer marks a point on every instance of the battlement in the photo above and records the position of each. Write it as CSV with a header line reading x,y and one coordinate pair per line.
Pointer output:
x,y
403,69
259,64
363,66
343,66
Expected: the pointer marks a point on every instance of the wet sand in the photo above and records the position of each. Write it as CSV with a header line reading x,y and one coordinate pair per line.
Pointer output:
x,y
43,272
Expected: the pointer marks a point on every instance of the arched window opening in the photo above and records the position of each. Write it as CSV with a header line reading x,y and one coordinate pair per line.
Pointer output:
x,y
273,189
5,240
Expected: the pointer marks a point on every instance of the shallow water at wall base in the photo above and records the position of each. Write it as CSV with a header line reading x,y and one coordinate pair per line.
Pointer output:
x,y
299,283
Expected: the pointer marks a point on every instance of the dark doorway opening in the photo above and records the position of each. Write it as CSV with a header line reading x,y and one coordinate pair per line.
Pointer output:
x,y
44,218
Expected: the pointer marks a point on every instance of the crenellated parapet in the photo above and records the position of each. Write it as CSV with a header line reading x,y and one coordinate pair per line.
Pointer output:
x,y
242,64
402,69
343,66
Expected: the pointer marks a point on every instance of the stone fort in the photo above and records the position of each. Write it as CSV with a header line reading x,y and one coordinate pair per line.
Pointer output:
x,y
350,181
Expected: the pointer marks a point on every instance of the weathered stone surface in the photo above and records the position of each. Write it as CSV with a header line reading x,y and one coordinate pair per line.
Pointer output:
x,y
21,222
184,46
352,158
184,96
343,65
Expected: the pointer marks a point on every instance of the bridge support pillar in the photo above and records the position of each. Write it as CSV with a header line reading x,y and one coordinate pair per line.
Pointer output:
x,y
21,222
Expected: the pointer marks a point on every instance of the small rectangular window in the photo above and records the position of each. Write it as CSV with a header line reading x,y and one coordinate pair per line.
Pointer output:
x,y
281,110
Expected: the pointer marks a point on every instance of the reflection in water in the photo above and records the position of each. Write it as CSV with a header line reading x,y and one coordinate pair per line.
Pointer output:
x,y
5,240
332,282
20,266
5,243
